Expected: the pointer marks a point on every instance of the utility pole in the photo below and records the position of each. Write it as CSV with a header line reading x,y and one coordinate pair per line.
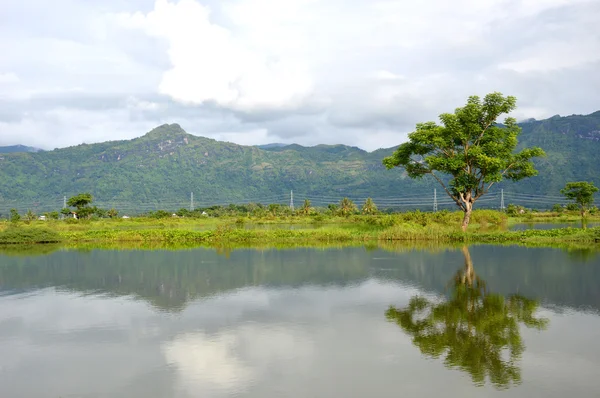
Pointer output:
x,y
292,200
64,206
502,199
435,204
191,201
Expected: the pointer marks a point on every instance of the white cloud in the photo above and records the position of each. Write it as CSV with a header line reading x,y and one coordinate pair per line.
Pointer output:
x,y
386,75
9,78
348,71
210,64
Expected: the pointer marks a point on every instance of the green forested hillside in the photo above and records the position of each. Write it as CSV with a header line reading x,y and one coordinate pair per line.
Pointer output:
x,y
572,145
161,168
17,148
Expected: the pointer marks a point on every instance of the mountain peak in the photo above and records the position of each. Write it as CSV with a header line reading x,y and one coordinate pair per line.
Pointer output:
x,y
166,130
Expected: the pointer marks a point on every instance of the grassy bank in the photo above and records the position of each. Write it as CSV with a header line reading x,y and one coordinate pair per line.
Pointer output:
x,y
487,227
553,217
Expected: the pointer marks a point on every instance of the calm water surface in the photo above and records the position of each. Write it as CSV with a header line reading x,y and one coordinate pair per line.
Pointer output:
x,y
484,321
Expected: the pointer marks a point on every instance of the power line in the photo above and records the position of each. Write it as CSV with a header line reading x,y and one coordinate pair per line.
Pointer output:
x,y
413,200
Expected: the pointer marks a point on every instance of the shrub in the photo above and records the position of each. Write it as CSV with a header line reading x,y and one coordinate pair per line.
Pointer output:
x,y
28,235
484,217
557,208
573,207
15,217
514,210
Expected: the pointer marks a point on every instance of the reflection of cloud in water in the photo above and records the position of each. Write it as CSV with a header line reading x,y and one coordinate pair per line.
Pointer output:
x,y
233,360
207,363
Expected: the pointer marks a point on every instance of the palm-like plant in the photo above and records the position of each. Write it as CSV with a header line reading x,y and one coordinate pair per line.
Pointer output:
x,y
369,207
306,209
30,216
347,207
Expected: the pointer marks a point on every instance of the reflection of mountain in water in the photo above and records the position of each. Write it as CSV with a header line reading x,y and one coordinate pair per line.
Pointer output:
x,y
169,279
475,330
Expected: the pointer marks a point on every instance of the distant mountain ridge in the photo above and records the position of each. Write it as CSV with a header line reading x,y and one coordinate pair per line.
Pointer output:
x,y
272,145
18,148
162,168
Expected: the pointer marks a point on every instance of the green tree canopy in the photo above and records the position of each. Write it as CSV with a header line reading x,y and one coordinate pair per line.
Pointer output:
x,y
15,217
476,331
369,207
581,193
112,213
30,215
306,208
80,200
347,207
469,147
82,203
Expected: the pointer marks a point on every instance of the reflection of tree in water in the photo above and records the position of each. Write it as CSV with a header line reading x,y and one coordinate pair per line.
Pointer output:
x,y
476,331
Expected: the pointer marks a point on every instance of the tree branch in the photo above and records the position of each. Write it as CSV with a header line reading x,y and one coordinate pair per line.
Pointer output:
x,y
447,191
493,182
483,190
483,132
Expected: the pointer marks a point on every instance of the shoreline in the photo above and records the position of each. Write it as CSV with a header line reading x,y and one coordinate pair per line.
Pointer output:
x,y
405,228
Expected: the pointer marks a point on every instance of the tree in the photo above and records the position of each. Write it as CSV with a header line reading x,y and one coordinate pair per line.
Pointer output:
x,y
306,209
30,216
65,211
369,207
80,200
347,207
112,213
274,208
82,203
53,215
101,213
470,148
15,217
475,330
581,193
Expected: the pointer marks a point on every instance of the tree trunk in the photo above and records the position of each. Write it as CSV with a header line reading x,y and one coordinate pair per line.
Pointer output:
x,y
467,217
469,272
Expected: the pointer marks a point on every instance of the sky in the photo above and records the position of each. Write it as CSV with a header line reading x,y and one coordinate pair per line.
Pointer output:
x,y
356,72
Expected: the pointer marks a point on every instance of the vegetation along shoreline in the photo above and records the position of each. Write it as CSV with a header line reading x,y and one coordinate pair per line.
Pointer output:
x,y
488,226
466,154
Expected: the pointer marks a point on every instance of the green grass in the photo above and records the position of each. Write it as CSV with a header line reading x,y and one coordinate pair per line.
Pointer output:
x,y
487,227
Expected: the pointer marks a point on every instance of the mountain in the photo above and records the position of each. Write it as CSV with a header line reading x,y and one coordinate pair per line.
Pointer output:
x,y
162,168
572,146
18,148
271,146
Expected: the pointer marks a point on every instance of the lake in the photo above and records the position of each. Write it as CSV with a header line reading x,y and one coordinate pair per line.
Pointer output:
x,y
342,322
